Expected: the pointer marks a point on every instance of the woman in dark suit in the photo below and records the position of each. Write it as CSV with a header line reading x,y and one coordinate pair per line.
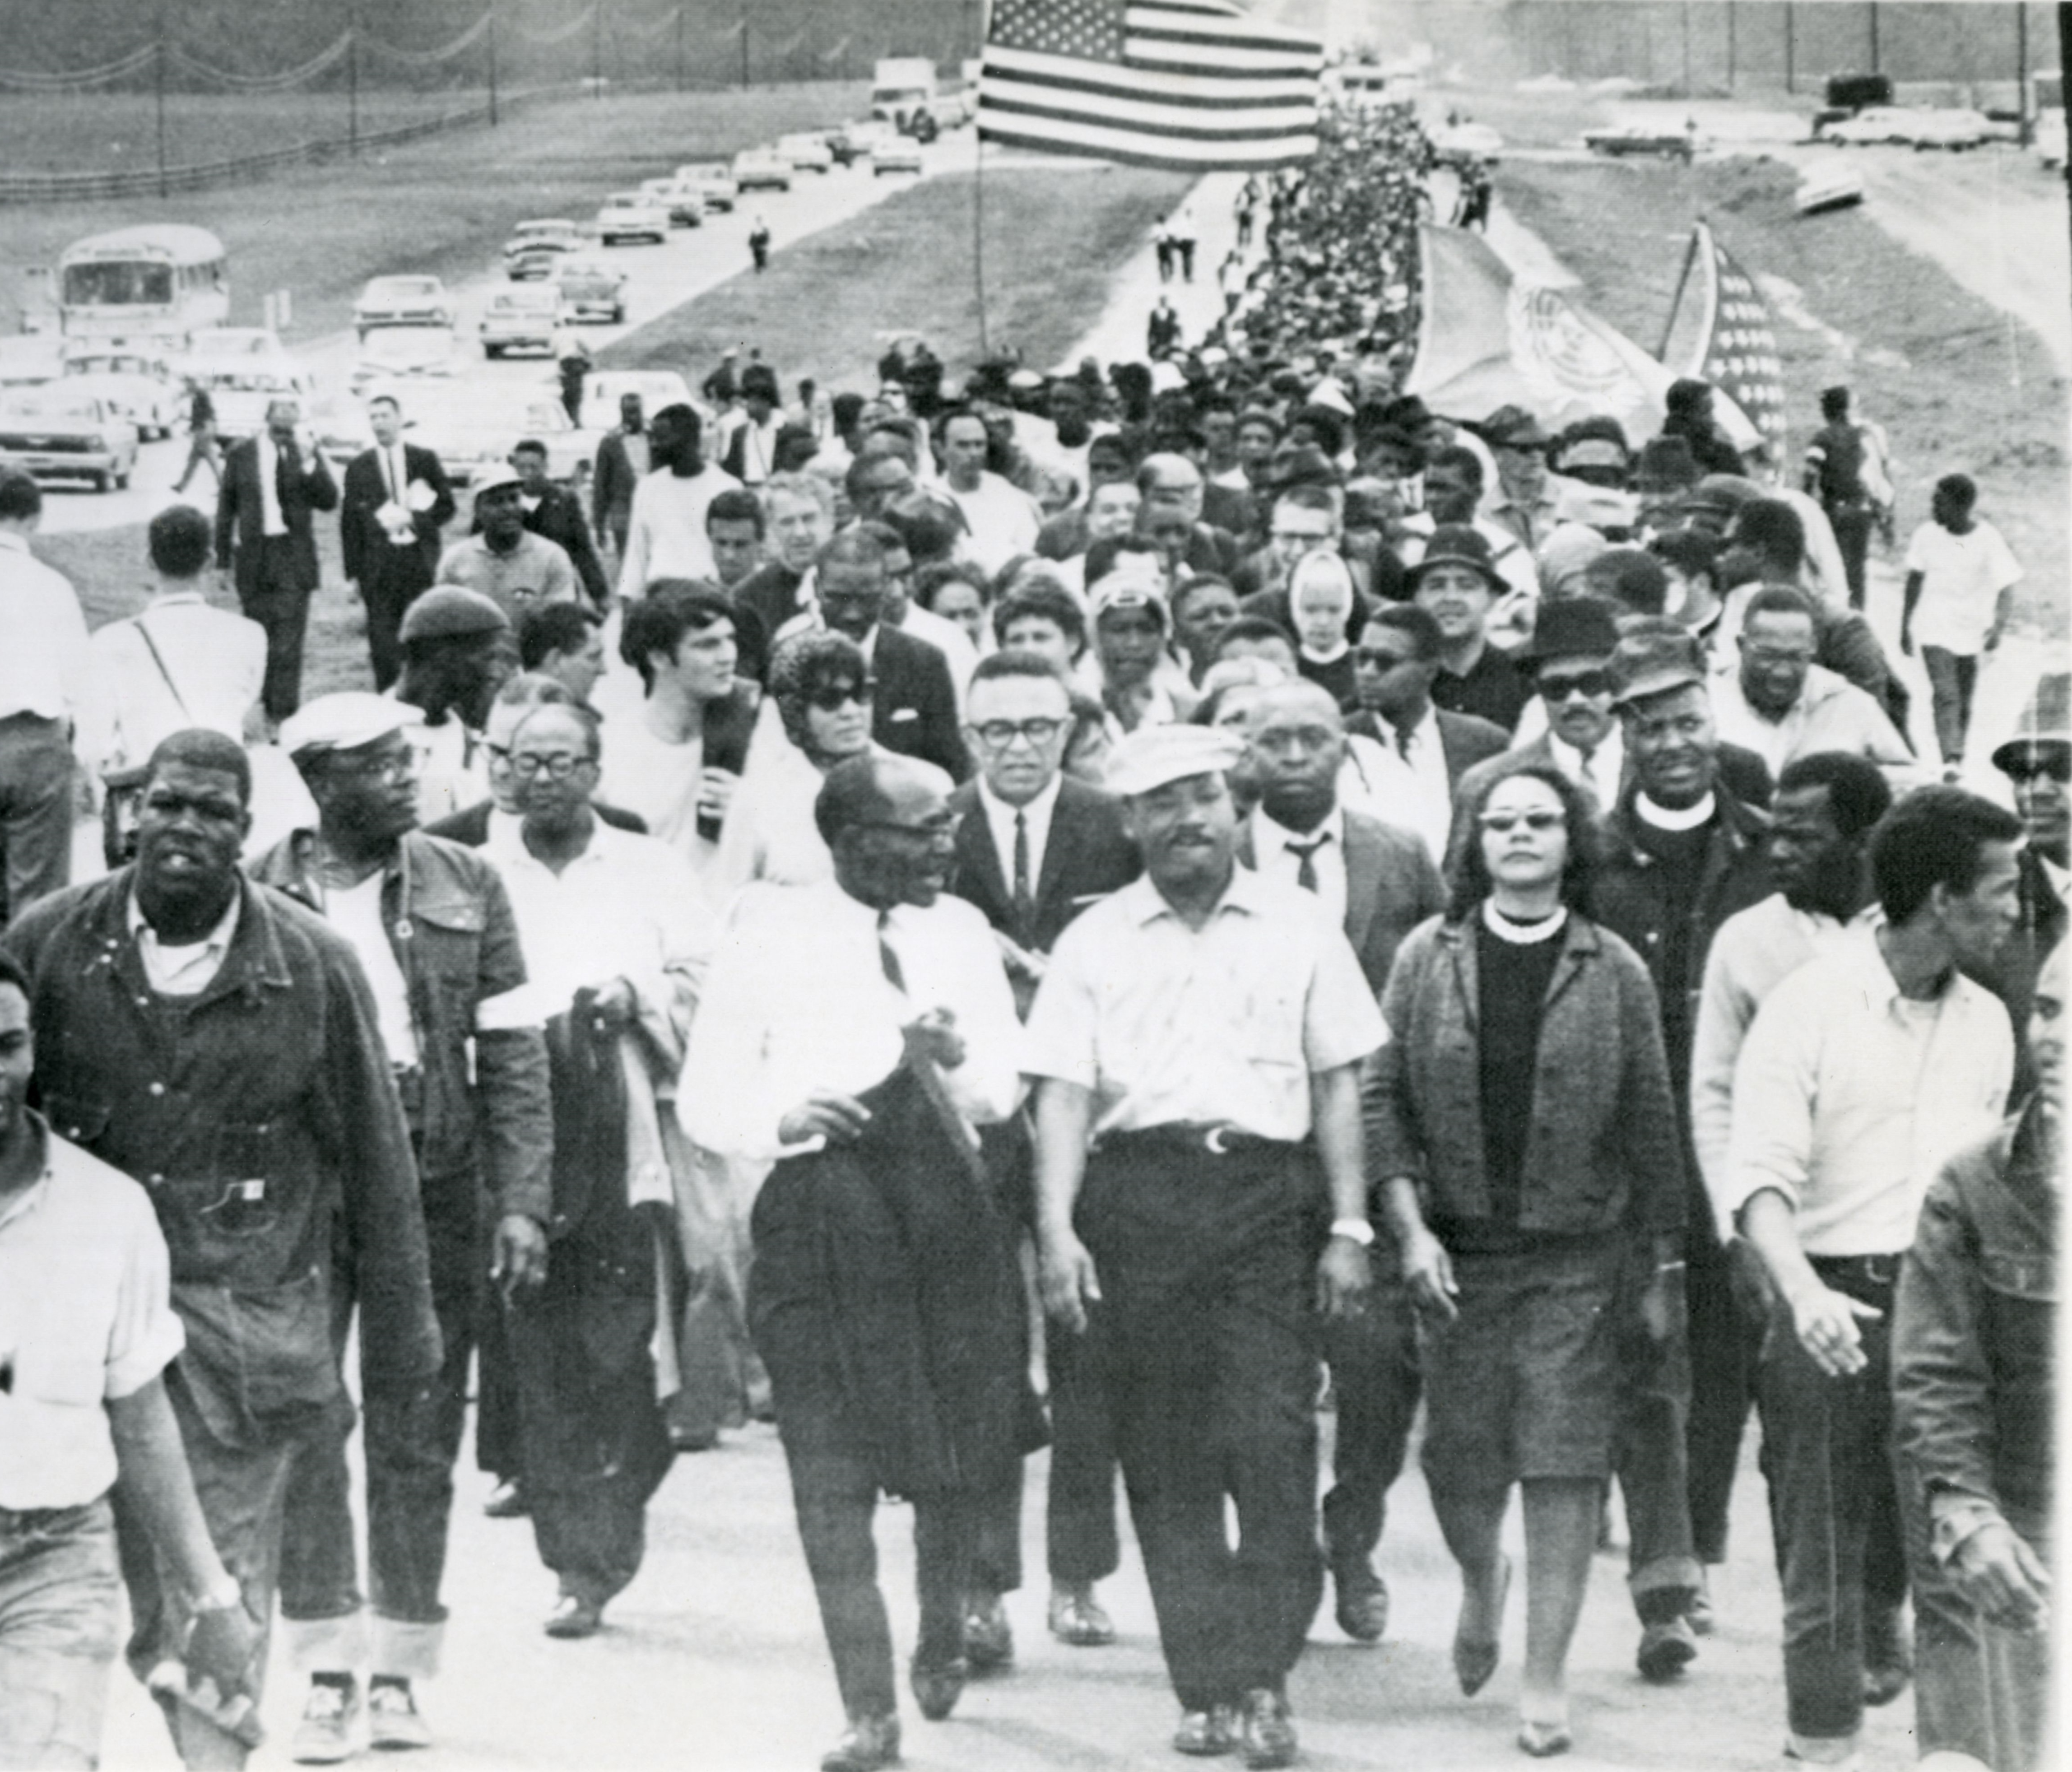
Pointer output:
x,y
1521,1127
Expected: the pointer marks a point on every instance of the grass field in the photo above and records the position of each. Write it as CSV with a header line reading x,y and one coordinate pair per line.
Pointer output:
x,y
825,307
1958,388
444,205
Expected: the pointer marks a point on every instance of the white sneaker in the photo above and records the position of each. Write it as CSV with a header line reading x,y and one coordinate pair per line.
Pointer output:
x,y
392,1717
331,1718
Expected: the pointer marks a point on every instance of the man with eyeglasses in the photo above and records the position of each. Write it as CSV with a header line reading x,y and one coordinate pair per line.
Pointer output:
x,y
856,1031
1682,854
616,937
1782,705
431,925
1034,849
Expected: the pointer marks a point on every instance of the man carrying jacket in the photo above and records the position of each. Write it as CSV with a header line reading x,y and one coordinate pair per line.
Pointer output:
x,y
432,928
217,1043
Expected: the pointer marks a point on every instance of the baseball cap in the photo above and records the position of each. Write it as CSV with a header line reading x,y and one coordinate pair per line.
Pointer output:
x,y
1152,756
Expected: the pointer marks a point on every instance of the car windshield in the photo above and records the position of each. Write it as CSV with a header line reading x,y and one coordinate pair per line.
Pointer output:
x,y
53,409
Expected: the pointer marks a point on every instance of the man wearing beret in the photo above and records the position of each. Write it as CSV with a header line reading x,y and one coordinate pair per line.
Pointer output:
x,y
457,651
431,924
1195,1030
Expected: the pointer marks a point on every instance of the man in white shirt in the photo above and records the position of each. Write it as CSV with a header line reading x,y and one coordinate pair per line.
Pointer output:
x,y
857,1030
179,662
665,534
1780,704
43,677
1863,1072
1002,519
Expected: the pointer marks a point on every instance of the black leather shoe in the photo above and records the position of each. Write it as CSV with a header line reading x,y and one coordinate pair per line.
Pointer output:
x,y
989,1637
871,1742
1363,1607
1269,1739
1077,1618
1206,1733
937,1688
1666,1648
1888,1659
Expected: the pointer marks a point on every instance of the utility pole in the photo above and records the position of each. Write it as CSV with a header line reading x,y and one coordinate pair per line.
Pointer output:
x,y
680,82
352,79
1874,37
2024,108
1733,46
492,63
1790,44
597,49
1686,48
744,45
163,189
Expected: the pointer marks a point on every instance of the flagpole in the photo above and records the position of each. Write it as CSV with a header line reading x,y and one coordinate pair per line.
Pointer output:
x,y
1676,300
978,203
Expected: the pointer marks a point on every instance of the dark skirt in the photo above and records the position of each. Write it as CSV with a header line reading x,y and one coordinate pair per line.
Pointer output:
x,y
1525,1381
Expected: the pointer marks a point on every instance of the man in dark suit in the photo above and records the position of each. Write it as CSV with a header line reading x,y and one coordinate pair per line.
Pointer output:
x,y
1427,750
264,540
1034,849
913,705
556,513
1380,883
622,463
396,501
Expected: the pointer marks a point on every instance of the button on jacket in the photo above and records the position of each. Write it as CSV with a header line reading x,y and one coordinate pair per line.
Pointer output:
x,y
449,922
256,1112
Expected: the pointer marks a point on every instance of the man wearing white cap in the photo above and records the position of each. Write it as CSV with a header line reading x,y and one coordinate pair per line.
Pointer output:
x,y
431,927
1197,1028
514,568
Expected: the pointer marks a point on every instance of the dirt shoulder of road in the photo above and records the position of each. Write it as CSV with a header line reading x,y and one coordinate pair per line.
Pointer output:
x,y
1959,385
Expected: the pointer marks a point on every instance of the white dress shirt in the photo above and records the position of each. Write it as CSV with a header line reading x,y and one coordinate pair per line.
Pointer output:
x,y
665,535
1848,1098
1411,788
216,662
1600,772
1035,816
44,660
799,1001
184,969
1275,854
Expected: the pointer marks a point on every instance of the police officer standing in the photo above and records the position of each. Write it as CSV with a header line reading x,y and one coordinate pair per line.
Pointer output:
x,y
1203,1027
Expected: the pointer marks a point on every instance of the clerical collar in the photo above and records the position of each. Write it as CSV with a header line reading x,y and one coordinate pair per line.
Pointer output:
x,y
1669,818
1522,935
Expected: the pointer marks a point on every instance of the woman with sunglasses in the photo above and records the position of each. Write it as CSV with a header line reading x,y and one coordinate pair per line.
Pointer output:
x,y
1521,1132
820,688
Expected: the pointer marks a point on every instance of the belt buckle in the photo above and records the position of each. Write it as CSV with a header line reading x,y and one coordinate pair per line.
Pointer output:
x,y
1881,1270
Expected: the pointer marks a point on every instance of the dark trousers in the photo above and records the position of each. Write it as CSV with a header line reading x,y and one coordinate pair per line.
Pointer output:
x,y
412,1443
1852,525
273,595
1953,678
1376,1382
1650,1453
594,1444
1205,1339
835,1495
1834,1508
1725,1342
387,591
35,810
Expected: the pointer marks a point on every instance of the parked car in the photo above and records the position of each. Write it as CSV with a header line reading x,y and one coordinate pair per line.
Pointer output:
x,y
474,427
898,154
1830,185
1456,142
604,388
631,215
685,203
592,288
714,178
390,355
404,301
535,247
245,369
761,169
133,385
54,432
1631,139
521,317
808,152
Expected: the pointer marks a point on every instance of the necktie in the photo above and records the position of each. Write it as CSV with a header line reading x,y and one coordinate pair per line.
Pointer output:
x,y
1305,855
1586,773
1024,898
280,459
887,957
1403,737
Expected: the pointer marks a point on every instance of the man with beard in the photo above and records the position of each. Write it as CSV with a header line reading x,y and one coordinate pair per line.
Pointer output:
x,y
506,562
395,502
1380,884
458,651
616,937
219,1044
431,925
665,531
856,1031
1194,1254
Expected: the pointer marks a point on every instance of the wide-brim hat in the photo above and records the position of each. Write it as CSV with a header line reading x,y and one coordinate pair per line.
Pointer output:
x,y
1458,544
2046,723
1572,627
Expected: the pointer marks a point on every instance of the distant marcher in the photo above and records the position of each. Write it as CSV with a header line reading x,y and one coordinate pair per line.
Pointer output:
x,y
396,501
758,244
1836,465
622,464
572,359
665,533
555,514
507,563
201,445
1960,577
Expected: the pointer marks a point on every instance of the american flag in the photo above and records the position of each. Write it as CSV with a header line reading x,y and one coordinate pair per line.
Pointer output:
x,y
1194,85
1723,332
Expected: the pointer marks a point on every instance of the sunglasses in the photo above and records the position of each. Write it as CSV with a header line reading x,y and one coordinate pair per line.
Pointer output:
x,y
831,696
2056,769
1584,682
1509,821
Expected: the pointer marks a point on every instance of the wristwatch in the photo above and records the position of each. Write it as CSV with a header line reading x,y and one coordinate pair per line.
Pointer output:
x,y
1359,1230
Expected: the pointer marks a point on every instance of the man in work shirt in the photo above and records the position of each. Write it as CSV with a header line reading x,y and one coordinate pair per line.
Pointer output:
x,y
1197,1028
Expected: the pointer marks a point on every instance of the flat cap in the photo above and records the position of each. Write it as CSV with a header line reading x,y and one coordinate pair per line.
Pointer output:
x,y
498,479
344,721
1152,756
1513,427
447,610
1647,665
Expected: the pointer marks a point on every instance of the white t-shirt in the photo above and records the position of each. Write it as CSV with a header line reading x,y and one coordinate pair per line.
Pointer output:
x,y
355,913
646,775
1962,577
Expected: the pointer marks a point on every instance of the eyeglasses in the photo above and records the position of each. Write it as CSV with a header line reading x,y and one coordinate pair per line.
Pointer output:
x,y
1376,659
2022,769
1583,682
526,767
941,830
1500,822
831,696
398,767
1000,734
